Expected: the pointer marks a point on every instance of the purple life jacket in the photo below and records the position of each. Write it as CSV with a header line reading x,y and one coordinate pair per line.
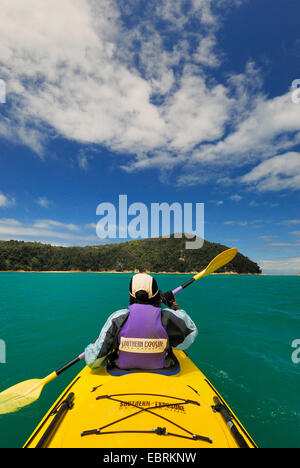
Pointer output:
x,y
143,341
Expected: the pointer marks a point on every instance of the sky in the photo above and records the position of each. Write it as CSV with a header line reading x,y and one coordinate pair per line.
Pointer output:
x,y
187,101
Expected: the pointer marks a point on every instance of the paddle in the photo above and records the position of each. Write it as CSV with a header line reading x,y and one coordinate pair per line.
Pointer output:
x,y
25,393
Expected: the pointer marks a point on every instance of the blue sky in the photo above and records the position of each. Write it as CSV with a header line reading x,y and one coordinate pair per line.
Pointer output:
x,y
165,101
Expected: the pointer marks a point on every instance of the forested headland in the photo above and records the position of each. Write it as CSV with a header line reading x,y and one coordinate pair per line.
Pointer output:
x,y
146,255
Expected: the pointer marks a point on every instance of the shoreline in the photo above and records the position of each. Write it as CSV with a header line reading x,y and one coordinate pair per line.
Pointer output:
x,y
132,272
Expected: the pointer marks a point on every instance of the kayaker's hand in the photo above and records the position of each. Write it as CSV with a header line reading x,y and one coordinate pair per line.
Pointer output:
x,y
169,300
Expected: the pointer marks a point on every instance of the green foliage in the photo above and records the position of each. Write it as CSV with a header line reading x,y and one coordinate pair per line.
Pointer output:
x,y
153,255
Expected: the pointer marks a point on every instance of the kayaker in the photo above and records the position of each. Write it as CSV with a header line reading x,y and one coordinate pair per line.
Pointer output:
x,y
142,336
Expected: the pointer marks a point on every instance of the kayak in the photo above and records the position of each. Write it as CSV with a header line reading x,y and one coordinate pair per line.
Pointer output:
x,y
105,409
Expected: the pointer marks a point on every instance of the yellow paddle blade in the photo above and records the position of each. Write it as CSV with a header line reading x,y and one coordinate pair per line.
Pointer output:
x,y
222,259
22,394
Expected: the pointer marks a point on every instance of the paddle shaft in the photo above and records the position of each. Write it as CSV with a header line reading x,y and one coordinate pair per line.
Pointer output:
x,y
185,285
70,364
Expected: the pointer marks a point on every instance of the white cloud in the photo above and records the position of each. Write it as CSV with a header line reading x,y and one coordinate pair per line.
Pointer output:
x,y
91,226
277,173
258,134
89,91
3,200
83,161
196,112
10,222
291,221
236,223
174,14
6,201
285,266
44,202
296,233
267,238
49,231
284,244
254,223
272,125
217,202
85,93
49,223
205,52
236,197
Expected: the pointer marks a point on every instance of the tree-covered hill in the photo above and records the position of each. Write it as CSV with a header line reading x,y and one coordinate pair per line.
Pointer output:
x,y
152,255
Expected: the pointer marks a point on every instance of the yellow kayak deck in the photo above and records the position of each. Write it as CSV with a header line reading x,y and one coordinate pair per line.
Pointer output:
x,y
140,410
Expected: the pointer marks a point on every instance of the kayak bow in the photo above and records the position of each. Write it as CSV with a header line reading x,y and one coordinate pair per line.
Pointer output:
x,y
140,410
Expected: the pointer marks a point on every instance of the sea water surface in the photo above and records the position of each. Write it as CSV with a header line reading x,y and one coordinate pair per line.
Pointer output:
x,y
246,328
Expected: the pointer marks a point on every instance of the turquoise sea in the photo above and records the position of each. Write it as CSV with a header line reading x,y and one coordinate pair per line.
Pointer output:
x,y
246,327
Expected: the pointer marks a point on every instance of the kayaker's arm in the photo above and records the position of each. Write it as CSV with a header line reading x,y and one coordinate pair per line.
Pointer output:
x,y
96,352
181,329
